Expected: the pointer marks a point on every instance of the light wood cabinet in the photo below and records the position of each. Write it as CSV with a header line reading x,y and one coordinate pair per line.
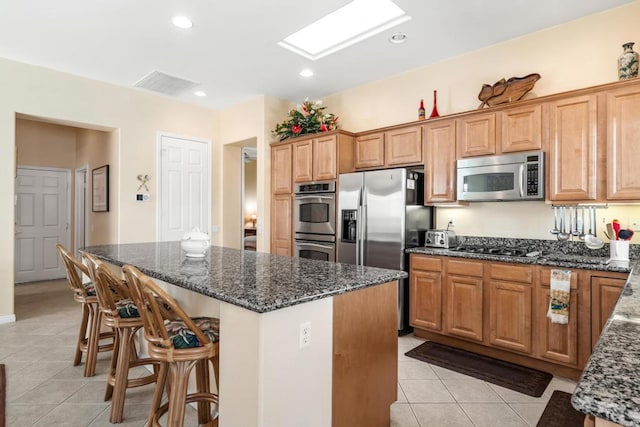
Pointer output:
x,y
555,341
403,146
303,161
315,159
605,292
476,135
500,309
573,150
623,135
325,162
369,151
521,128
464,299
440,162
510,298
281,156
281,231
400,146
425,310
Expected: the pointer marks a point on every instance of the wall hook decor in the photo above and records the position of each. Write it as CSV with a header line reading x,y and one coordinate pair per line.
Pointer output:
x,y
143,179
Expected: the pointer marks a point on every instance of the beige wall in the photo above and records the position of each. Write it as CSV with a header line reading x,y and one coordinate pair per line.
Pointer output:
x,y
136,118
45,144
95,149
579,54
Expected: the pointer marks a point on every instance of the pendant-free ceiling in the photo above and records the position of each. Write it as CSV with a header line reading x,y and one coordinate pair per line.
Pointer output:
x,y
352,23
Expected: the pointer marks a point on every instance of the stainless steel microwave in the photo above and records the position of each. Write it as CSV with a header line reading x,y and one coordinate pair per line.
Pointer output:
x,y
517,176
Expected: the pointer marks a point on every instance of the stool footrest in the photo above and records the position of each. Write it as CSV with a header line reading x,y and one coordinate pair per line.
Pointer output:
x,y
191,398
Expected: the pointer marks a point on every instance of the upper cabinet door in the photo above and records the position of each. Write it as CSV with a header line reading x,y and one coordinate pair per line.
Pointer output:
x,y
572,132
521,129
325,161
303,161
440,162
404,146
369,151
623,137
281,169
477,135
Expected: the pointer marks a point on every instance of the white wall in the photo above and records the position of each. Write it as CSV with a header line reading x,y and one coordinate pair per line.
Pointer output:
x,y
262,355
136,117
579,54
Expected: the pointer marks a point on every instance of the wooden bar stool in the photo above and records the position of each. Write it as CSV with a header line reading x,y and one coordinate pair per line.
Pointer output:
x,y
120,313
91,317
180,345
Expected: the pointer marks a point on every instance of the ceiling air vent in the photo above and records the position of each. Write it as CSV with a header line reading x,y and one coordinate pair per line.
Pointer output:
x,y
157,81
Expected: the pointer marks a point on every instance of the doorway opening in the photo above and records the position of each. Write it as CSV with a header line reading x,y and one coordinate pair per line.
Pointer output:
x,y
54,154
249,197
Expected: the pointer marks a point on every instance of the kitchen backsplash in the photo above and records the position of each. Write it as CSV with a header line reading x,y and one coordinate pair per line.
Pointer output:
x,y
530,220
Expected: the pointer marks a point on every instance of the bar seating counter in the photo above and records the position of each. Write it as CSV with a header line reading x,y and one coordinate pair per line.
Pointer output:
x,y
346,375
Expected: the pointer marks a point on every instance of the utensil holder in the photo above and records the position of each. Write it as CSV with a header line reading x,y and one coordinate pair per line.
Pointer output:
x,y
619,250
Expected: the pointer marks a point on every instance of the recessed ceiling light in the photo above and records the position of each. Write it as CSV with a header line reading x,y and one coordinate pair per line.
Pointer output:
x,y
182,22
352,23
398,38
199,93
306,73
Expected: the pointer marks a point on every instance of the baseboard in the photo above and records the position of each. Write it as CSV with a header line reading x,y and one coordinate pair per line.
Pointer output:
x,y
10,318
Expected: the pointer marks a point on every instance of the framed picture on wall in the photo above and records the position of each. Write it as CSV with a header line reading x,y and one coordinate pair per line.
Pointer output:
x,y
100,196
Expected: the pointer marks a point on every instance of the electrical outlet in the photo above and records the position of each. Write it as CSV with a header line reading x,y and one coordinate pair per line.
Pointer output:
x,y
305,334
634,223
450,221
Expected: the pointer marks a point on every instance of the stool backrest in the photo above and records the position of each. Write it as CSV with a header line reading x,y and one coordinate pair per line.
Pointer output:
x,y
109,287
74,270
152,302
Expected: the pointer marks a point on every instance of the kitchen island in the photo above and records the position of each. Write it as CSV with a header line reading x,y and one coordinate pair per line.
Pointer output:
x,y
345,374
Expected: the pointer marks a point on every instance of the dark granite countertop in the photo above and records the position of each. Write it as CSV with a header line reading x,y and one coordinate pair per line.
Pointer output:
x,y
257,281
569,254
610,384
552,259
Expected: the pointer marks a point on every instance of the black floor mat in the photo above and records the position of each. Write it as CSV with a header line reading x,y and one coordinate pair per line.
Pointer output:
x,y
529,381
560,413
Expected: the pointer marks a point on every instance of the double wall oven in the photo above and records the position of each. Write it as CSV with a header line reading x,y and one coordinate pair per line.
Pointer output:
x,y
314,221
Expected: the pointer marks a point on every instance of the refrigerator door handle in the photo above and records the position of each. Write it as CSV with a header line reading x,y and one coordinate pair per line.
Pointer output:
x,y
363,228
358,228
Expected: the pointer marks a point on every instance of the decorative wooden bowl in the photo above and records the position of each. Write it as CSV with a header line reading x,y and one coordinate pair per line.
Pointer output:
x,y
504,91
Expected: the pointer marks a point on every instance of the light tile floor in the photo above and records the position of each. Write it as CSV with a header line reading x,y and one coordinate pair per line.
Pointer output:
x,y
44,389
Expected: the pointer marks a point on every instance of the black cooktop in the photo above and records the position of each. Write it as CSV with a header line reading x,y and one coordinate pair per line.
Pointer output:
x,y
493,250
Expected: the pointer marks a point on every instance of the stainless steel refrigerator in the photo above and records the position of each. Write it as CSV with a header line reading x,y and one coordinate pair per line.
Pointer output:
x,y
380,214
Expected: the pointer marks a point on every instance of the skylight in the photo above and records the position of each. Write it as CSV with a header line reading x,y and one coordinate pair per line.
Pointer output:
x,y
352,23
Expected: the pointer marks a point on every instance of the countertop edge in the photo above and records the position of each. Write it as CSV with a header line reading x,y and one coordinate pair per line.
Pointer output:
x,y
381,276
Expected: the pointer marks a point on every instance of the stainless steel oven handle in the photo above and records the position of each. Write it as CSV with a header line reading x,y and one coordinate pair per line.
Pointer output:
x,y
315,197
301,244
522,180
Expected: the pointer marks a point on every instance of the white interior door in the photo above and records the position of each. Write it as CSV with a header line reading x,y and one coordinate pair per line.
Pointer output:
x,y
184,187
42,221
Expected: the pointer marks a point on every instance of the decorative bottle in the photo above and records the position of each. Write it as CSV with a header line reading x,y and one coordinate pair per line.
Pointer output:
x,y
421,112
628,62
434,112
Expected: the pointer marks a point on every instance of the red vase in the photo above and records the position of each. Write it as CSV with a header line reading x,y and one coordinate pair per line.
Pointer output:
x,y
434,112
